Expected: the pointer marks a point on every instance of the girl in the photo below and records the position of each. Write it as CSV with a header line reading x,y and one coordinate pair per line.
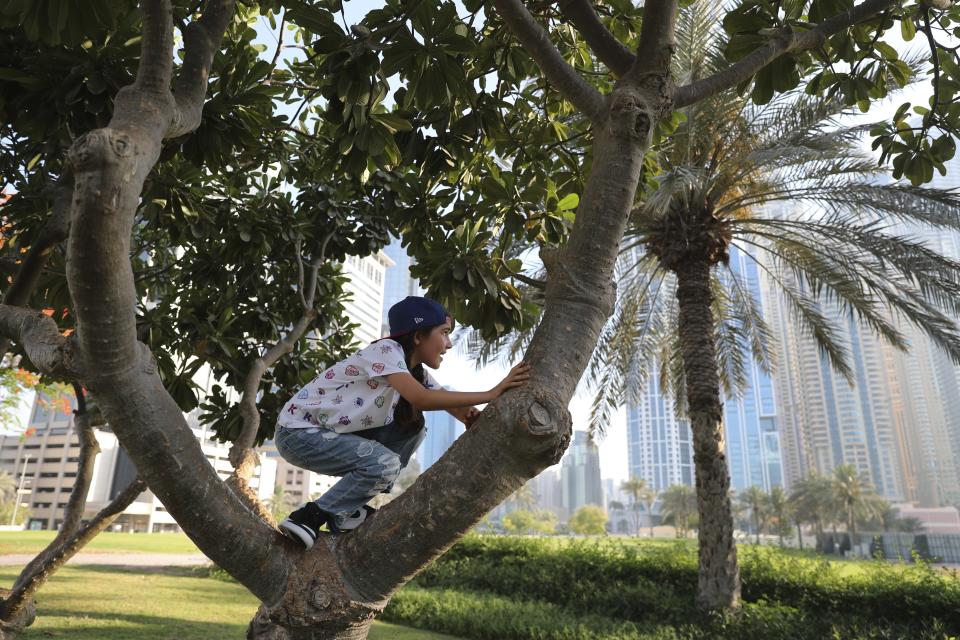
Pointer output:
x,y
362,418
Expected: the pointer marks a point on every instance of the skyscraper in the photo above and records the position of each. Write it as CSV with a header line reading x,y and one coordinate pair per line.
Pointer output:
x,y
751,433
580,474
659,445
830,421
442,430
365,285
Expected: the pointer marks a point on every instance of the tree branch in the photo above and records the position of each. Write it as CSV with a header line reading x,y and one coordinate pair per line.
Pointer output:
x,y
759,58
242,456
657,36
54,231
611,51
41,566
201,40
537,43
156,60
48,350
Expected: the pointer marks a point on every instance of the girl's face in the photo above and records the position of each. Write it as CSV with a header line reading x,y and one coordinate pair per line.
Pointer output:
x,y
429,349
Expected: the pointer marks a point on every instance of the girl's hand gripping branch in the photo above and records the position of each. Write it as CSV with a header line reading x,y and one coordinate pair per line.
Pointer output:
x,y
434,399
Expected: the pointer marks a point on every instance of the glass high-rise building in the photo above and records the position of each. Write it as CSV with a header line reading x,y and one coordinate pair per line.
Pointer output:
x,y
580,474
750,419
659,444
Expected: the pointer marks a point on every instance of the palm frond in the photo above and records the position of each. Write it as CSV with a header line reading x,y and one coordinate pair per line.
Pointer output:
x,y
807,314
746,306
729,341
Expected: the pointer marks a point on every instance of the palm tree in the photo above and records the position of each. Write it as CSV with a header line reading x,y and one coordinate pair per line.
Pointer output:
x,y
524,497
780,510
648,496
678,504
681,304
812,500
635,488
755,499
854,493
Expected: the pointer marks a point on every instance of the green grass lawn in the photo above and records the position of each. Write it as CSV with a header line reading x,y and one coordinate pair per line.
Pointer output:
x,y
34,541
107,603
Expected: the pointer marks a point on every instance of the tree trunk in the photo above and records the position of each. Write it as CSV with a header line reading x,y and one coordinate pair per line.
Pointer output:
x,y
800,536
853,529
756,528
719,580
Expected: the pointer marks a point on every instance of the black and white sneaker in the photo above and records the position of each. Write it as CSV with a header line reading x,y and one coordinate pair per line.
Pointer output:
x,y
352,521
304,523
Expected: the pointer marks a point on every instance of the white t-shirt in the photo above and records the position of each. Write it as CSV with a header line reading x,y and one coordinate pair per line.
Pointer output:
x,y
352,395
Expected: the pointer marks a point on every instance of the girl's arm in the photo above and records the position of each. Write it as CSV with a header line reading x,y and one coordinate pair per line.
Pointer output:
x,y
432,399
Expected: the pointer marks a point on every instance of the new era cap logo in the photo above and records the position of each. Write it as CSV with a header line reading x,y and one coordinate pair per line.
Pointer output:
x,y
418,320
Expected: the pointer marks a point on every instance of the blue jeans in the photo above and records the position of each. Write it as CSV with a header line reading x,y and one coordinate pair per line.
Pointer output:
x,y
369,461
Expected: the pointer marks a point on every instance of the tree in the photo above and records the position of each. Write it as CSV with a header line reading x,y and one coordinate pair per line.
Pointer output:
x,y
524,497
464,249
522,521
854,493
757,501
678,505
589,520
812,500
780,511
8,486
719,161
648,496
636,488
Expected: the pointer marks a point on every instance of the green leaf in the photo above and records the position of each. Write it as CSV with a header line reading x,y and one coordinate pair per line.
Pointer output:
x,y
392,122
569,202
907,29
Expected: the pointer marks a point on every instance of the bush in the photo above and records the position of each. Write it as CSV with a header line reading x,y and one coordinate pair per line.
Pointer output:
x,y
484,616
657,583
489,617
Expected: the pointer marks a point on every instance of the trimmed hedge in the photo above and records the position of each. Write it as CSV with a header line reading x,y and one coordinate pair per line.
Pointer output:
x,y
657,583
483,616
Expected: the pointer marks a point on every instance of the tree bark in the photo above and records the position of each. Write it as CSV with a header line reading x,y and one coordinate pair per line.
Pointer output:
x,y
718,584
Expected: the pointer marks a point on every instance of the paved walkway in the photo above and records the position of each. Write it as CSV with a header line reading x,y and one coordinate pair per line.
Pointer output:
x,y
119,559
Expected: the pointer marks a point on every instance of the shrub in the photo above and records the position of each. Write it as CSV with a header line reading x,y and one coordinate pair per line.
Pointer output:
x,y
641,583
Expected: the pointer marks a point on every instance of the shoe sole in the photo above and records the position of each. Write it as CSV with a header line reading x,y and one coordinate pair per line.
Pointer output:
x,y
295,531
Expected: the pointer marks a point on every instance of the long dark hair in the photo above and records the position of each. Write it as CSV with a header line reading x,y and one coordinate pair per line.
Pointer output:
x,y
405,413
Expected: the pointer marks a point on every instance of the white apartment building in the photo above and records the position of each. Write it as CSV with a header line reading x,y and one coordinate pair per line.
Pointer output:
x,y
365,286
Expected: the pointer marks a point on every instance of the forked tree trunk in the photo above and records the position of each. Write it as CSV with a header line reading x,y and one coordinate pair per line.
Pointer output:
x,y
718,585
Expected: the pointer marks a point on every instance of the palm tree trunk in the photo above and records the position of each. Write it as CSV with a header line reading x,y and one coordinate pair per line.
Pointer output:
x,y
800,536
852,528
718,585
756,527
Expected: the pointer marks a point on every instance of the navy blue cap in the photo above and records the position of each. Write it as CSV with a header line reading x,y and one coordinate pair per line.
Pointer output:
x,y
414,312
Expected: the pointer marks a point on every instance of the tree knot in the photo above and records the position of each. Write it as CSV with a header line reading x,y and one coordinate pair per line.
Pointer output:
x,y
100,147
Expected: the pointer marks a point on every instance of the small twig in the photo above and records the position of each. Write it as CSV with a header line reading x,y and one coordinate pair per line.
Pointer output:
x,y
276,54
533,282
